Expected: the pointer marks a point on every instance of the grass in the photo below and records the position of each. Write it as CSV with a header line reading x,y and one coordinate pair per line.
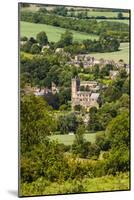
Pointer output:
x,y
27,55
123,53
31,8
106,14
69,139
125,21
105,183
53,33
100,13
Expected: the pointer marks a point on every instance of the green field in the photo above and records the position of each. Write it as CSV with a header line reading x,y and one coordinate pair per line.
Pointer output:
x,y
31,8
53,33
116,56
100,13
68,139
105,183
125,21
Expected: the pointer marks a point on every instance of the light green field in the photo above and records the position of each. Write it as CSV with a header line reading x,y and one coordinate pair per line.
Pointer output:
x,y
69,139
106,14
53,33
31,8
100,184
116,56
125,21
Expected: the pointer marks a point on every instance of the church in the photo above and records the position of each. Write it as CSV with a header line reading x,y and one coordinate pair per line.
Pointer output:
x,y
84,93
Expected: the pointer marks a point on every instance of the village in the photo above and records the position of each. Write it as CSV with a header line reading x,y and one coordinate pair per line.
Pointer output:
x,y
74,99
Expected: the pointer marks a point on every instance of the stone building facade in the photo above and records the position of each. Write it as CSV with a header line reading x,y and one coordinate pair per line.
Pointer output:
x,y
86,99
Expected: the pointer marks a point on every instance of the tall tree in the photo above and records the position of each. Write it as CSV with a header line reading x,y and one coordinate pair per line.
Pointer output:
x,y
42,38
36,121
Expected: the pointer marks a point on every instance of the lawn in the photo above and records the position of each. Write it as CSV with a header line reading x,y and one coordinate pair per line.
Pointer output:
x,y
53,33
68,139
123,53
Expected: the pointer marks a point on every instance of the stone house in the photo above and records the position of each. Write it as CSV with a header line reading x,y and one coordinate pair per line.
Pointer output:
x,y
86,99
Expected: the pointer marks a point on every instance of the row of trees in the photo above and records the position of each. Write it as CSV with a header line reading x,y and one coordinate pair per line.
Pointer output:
x,y
106,43
81,14
87,26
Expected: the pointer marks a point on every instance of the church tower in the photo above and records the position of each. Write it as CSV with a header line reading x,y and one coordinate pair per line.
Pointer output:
x,y
74,88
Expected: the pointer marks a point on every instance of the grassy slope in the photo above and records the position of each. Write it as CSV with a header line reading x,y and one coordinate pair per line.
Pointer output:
x,y
106,183
125,21
68,139
122,54
106,14
54,33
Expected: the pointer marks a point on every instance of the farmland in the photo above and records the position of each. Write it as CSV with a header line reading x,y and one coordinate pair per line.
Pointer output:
x,y
107,14
125,21
75,116
68,139
53,33
123,53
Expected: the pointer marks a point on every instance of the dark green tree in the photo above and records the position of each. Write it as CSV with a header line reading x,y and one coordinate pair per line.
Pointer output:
x,y
42,38
120,15
66,39
35,49
36,121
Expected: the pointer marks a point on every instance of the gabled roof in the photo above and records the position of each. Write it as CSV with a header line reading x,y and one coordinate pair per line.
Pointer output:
x,y
95,95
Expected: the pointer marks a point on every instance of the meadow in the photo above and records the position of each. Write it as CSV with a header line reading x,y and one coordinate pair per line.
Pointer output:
x,y
53,33
125,21
123,54
69,139
108,14
105,183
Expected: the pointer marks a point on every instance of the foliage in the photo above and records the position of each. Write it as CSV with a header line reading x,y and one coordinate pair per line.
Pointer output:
x,y
36,121
42,38
103,142
120,15
88,26
67,123
118,133
35,49
66,39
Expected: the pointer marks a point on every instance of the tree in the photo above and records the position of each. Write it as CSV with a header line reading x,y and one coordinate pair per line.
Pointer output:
x,y
120,15
96,71
60,10
93,110
79,146
35,49
126,86
32,40
67,123
24,38
118,130
36,121
93,151
103,142
26,46
66,39
77,107
52,100
109,43
42,38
